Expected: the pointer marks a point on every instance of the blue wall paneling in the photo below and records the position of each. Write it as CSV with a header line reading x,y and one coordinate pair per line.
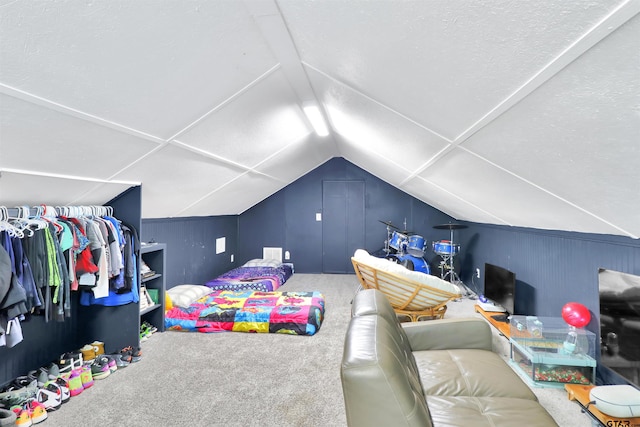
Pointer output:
x,y
191,246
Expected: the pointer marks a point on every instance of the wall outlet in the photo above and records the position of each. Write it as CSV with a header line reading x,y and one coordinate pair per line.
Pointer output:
x,y
478,273
287,255
231,257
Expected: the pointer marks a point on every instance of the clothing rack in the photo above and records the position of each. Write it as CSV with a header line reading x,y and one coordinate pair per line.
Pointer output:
x,y
44,342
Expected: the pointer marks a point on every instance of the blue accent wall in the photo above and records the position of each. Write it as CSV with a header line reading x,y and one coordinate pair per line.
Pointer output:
x,y
551,267
287,219
191,246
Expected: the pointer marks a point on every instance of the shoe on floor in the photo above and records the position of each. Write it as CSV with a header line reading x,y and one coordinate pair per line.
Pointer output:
x,y
69,361
86,377
98,347
50,396
37,411
136,354
23,419
64,388
127,354
100,368
108,360
74,381
19,392
88,353
120,360
7,418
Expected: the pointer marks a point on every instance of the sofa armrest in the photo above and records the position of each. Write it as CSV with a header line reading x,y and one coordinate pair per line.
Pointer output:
x,y
449,334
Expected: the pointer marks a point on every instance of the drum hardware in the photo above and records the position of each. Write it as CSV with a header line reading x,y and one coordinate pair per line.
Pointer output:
x,y
447,251
387,243
412,263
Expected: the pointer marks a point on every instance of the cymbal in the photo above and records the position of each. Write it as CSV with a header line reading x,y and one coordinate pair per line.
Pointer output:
x,y
388,224
449,226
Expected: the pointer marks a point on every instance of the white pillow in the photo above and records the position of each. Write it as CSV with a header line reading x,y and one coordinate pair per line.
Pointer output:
x,y
185,295
258,262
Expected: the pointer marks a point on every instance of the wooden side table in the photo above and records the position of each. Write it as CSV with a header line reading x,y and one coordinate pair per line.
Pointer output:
x,y
580,393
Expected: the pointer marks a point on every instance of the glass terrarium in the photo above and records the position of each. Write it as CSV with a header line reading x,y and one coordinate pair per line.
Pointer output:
x,y
549,352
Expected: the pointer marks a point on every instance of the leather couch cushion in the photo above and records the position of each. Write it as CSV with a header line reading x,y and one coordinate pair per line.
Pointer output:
x,y
469,372
459,411
378,382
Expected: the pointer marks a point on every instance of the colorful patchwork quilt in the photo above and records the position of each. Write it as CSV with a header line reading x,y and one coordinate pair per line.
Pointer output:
x,y
296,313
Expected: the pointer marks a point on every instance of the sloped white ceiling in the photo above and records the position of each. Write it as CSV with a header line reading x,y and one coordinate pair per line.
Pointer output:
x,y
514,113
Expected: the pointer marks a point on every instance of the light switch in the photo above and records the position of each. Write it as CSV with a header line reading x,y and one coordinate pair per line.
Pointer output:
x,y
318,216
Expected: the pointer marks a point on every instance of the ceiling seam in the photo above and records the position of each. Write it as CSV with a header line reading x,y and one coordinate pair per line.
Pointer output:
x,y
69,177
63,109
210,193
562,199
336,80
504,222
226,101
577,48
612,21
223,160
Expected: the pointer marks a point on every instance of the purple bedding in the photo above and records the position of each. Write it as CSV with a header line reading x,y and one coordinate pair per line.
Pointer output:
x,y
264,279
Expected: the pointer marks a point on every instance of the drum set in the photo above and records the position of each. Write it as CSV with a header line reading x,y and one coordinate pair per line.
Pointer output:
x,y
408,248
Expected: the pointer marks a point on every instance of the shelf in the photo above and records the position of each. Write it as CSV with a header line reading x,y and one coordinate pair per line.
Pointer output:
x,y
154,255
147,279
149,309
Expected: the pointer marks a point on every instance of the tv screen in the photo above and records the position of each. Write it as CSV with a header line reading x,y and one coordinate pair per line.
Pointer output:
x,y
620,325
500,287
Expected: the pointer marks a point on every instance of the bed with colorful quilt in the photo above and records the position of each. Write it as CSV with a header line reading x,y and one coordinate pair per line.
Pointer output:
x,y
264,275
207,310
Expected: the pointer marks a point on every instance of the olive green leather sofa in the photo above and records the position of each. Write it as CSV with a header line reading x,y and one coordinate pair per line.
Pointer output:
x,y
430,373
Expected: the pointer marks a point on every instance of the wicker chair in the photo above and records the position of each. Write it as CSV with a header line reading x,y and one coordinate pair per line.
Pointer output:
x,y
408,297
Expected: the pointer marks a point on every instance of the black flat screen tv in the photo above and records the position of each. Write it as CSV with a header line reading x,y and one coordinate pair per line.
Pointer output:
x,y
500,287
619,327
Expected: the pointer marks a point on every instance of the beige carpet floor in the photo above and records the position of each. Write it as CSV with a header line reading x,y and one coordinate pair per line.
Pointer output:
x,y
239,379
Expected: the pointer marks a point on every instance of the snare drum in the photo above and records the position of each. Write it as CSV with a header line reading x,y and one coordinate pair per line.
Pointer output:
x,y
416,245
444,247
413,263
398,241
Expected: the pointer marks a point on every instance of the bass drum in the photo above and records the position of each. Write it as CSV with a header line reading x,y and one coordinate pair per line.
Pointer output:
x,y
414,263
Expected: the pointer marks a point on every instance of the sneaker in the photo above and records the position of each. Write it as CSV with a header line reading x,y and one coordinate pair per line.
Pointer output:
x,y
37,411
136,354
54,371
120,362
98,347
100,368
7,417
86,377
111,362
127,354
88,353
19,392
41,375
70,361
50,396
64,388
23,419
74,381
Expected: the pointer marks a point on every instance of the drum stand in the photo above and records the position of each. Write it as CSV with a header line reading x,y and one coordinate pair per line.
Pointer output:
x,y
447,259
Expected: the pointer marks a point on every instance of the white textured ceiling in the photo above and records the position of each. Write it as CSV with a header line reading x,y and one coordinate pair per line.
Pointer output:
x,y
514,113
